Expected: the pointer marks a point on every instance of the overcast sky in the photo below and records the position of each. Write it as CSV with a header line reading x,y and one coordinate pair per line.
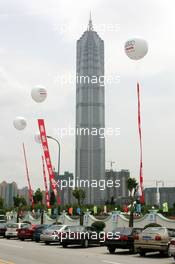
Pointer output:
x,y
38,45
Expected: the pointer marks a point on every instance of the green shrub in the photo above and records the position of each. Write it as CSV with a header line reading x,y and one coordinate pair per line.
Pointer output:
x,y
99,225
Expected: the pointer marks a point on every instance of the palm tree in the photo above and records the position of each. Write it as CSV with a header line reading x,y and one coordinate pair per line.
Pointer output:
x,y
38,199
19,202
38,196
132,185
80,195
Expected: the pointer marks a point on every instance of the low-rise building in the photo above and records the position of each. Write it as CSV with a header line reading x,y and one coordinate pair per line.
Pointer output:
x,y
165,194
119,192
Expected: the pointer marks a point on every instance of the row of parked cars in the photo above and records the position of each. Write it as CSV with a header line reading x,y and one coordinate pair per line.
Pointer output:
x,y
136,240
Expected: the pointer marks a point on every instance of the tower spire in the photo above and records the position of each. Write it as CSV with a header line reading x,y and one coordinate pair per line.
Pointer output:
x,y
90,26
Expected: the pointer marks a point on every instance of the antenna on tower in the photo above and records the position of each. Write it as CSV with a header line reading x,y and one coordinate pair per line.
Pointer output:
x,y
90,26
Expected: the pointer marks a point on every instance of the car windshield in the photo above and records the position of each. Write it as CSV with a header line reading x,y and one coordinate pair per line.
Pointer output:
x,y
12,225
25,225
41,227
54,227
75,228
123,231
154,230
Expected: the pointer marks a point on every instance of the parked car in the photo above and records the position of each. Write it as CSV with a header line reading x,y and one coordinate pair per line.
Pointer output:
x,y
80,235
26,232
12,230
3,219
154,239
121,237
3,229
172,248
51,234
38,231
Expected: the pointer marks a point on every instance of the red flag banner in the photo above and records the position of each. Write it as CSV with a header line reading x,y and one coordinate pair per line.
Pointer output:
x,y
28,178
140,138
47,157
45,184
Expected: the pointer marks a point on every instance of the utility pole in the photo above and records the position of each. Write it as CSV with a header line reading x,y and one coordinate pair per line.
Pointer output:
x,y
111,164
158,192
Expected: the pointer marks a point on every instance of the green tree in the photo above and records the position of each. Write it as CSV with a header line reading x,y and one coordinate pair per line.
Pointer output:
x,y
132,185
99,226
38,200
52,198
80,195
19,203
38,196
1,203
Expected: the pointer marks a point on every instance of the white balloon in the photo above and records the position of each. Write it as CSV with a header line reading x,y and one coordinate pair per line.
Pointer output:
x,y
19,123
136,48
37,138
39,94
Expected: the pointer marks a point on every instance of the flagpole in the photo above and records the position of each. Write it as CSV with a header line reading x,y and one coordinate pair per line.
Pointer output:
x,y
140,138
28,178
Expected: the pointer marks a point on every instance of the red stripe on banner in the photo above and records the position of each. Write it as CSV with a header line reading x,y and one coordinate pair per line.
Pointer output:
x,y
47,158
28,179
45,184
140,138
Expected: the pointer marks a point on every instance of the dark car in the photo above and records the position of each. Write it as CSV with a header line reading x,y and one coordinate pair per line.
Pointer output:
x,y
79,235
26,232
121,237
38,231
3,229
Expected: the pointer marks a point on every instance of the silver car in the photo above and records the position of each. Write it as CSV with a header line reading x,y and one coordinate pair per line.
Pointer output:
x,y
154,239
172,248
12,229
51,234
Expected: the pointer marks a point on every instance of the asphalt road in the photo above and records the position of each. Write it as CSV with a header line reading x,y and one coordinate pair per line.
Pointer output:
x,y
28,252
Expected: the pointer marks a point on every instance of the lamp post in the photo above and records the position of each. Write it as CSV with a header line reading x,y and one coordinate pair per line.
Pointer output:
x,y
59,151
158,192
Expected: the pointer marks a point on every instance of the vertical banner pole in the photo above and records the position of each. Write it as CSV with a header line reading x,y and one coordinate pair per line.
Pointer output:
x,y
43,137
140,138
28,178
45,184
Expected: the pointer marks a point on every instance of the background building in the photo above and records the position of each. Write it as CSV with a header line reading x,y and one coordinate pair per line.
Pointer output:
x,y
65,193
90,108
7,192
24,192
118,195
166,194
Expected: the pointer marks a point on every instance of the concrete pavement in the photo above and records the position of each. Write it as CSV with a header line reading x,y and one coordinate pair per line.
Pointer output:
x,y
28,252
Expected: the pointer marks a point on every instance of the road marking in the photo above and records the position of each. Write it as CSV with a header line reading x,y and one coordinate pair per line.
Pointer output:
x,y
5,262
110,262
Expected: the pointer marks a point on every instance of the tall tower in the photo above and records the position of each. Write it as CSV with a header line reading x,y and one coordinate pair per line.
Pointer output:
x,y
90,114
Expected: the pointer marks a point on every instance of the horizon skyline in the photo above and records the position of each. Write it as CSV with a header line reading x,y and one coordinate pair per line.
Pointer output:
x,y
29,58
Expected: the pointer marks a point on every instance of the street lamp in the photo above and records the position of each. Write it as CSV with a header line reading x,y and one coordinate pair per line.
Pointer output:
x,y
158,192
59,150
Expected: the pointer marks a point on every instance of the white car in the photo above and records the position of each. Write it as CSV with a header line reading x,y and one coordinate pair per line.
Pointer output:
x,y
12,229
172,248
52,234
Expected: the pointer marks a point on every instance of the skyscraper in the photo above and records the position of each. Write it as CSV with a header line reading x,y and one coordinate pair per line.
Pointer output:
x,y
90,117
